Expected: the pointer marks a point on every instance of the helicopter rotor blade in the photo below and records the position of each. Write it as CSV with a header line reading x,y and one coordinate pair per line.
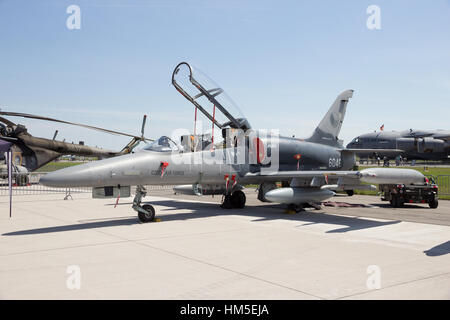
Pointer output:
x,y
31,116
9,139
143,126
7,122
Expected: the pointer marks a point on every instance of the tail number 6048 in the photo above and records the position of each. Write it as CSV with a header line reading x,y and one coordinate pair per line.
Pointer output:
x,y
334,163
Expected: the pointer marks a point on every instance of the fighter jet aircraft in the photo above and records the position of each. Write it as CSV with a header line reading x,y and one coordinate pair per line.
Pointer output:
x,y
410,144
309,168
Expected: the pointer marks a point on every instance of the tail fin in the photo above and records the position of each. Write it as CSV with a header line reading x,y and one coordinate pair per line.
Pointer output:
x,y
327,131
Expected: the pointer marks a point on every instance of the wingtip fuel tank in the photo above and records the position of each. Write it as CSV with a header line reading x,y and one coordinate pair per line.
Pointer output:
x,y
391,176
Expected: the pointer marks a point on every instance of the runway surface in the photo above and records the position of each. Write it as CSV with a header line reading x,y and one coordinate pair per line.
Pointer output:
x,y
200,251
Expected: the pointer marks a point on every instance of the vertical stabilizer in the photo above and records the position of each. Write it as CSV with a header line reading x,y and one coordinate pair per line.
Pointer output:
x,y
327,131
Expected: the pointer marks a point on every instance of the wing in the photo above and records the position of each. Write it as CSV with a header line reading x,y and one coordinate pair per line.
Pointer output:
x,y
442,136
437,134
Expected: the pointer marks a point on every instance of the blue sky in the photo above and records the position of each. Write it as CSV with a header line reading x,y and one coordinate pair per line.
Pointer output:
x,y
282,62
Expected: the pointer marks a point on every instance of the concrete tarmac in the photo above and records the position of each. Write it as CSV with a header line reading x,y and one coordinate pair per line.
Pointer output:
x,y
200,251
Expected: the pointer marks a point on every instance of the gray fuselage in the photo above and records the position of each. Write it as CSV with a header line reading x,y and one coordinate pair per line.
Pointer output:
x,y
202,167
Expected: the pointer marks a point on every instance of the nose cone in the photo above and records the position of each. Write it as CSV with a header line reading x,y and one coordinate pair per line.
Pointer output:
x,y
77,176
129,169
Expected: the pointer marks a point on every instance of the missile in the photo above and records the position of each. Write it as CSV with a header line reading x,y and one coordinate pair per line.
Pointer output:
x,y
298,195
391,176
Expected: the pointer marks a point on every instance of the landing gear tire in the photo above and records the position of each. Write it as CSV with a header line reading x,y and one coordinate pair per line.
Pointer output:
x,y
393,200
397,202
433,203
238,199
146,213
149,215
350,192
22,180
226,202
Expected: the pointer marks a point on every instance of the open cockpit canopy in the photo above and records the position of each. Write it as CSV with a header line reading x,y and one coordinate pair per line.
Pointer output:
x,y
208,98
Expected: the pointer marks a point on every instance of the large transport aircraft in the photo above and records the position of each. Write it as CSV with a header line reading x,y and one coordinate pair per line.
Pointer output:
x,y
411,144
311,169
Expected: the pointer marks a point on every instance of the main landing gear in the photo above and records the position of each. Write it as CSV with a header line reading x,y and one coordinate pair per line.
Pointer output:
x,y
234,199
146,213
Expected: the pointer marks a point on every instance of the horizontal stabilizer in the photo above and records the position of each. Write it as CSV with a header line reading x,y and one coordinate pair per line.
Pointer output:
x,y
372,151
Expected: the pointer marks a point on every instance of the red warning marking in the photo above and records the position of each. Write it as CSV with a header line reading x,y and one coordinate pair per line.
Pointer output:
x,y
297,157
259,146
227,180
117,200
164,165
233,178
195,121
212,129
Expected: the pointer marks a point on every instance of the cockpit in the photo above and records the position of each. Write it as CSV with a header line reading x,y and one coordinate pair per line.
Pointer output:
x,y
163,144
356,140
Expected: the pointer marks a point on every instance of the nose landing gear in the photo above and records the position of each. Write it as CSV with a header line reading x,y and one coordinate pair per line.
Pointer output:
x,y
146,213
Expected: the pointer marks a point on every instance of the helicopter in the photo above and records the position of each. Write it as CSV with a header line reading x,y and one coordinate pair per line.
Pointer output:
x,y
30,153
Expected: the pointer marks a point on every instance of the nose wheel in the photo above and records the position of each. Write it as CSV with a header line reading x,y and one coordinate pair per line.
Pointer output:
x,y
146,213
149,214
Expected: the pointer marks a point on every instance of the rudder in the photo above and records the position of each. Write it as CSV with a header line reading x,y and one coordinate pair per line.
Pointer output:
x,y
327,131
